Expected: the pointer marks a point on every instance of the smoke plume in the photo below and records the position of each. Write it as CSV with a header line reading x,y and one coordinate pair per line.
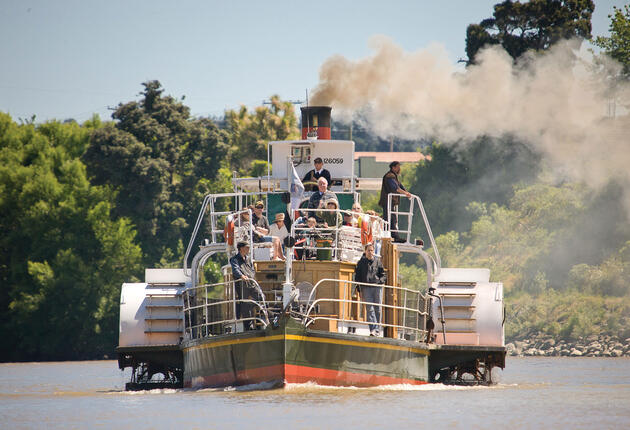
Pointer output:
x,y
554,101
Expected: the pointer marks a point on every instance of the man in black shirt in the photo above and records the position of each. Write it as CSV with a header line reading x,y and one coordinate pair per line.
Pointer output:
x,y
243,274
391,185
310,180
370,270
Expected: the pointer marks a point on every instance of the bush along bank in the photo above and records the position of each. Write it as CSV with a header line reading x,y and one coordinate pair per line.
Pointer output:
x,y
590,346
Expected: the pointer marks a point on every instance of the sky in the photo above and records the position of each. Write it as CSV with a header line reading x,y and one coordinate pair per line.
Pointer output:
x,y
73,58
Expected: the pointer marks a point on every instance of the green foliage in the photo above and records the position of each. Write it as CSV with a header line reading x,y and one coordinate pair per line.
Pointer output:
x,y
63,255
250,132
617,45
485,170
566,316
535,25
611,277
84,207
412,277
531,245
159,161
259,168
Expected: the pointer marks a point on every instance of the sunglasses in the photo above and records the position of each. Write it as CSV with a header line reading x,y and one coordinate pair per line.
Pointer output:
x,y
259,207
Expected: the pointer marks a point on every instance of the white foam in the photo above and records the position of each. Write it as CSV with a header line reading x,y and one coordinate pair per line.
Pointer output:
x,y
311,386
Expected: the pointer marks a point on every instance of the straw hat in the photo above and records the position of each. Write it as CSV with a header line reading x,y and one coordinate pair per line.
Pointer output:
x,y
279,217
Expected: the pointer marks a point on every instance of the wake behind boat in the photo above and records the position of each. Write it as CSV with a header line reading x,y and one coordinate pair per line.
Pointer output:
x,y
305,319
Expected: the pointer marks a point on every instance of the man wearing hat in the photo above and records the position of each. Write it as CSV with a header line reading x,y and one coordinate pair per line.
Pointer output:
x,y
243,274
310,180
391,185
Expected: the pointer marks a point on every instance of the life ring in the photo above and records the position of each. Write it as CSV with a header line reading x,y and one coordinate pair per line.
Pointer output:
x,y
366,231
228,231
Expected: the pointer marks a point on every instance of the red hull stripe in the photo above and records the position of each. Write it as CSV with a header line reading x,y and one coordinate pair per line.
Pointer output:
x,y
302,374
242,377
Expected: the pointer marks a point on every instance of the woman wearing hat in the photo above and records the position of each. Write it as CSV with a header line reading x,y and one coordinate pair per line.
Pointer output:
x,y
278,228
258,237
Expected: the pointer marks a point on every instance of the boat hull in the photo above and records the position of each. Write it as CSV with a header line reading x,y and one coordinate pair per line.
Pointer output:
x,y
290,353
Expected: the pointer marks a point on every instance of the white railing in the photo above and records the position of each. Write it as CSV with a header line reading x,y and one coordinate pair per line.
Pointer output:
x,y
414,201
204,316
419,313
344,242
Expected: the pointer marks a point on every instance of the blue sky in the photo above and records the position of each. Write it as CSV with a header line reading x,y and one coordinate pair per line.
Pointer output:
x,y
72,58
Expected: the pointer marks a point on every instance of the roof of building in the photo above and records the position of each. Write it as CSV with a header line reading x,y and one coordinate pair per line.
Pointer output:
x,y
388,157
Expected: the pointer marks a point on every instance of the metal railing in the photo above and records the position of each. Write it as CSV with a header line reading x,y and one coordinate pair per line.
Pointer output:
x,y
420,311
205,316
238,199
345,242
413,201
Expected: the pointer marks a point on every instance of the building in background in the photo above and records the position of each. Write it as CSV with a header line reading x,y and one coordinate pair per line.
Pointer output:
x,y
375,164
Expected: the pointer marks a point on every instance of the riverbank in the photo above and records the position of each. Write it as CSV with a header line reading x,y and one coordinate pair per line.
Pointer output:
x,y
591,346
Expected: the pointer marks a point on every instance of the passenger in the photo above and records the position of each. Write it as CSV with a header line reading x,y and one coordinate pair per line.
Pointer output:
x,y
322,194
330,219
259,237
311,236
261,223
376,227
301,221
391,185
244,275
348,219
311,178
278,228
356,216
300,235
370,270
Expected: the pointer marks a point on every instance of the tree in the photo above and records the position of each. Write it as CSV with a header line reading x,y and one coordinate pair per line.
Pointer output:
x,y
250,132
617,45
156,156
536,25
455,175
62,254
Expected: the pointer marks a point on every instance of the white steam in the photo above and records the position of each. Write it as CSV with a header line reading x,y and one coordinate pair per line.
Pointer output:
x,y
554,103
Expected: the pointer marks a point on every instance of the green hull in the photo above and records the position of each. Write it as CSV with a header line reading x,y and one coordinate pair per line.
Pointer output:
x,y
291,353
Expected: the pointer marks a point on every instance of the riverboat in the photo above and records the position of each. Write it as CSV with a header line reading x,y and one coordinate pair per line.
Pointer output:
x,y
182,327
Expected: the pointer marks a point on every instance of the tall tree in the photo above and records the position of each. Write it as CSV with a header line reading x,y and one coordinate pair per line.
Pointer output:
x,y
62,254
536,25
155,155
250,132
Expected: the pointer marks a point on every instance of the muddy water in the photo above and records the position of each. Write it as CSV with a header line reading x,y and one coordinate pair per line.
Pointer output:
x,y
535,392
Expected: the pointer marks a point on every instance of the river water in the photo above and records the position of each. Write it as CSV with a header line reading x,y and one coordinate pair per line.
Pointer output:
x,y
533,392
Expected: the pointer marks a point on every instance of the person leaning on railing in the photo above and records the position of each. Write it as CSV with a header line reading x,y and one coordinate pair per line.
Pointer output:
x,y
244,274
392,185
329,218
370,270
